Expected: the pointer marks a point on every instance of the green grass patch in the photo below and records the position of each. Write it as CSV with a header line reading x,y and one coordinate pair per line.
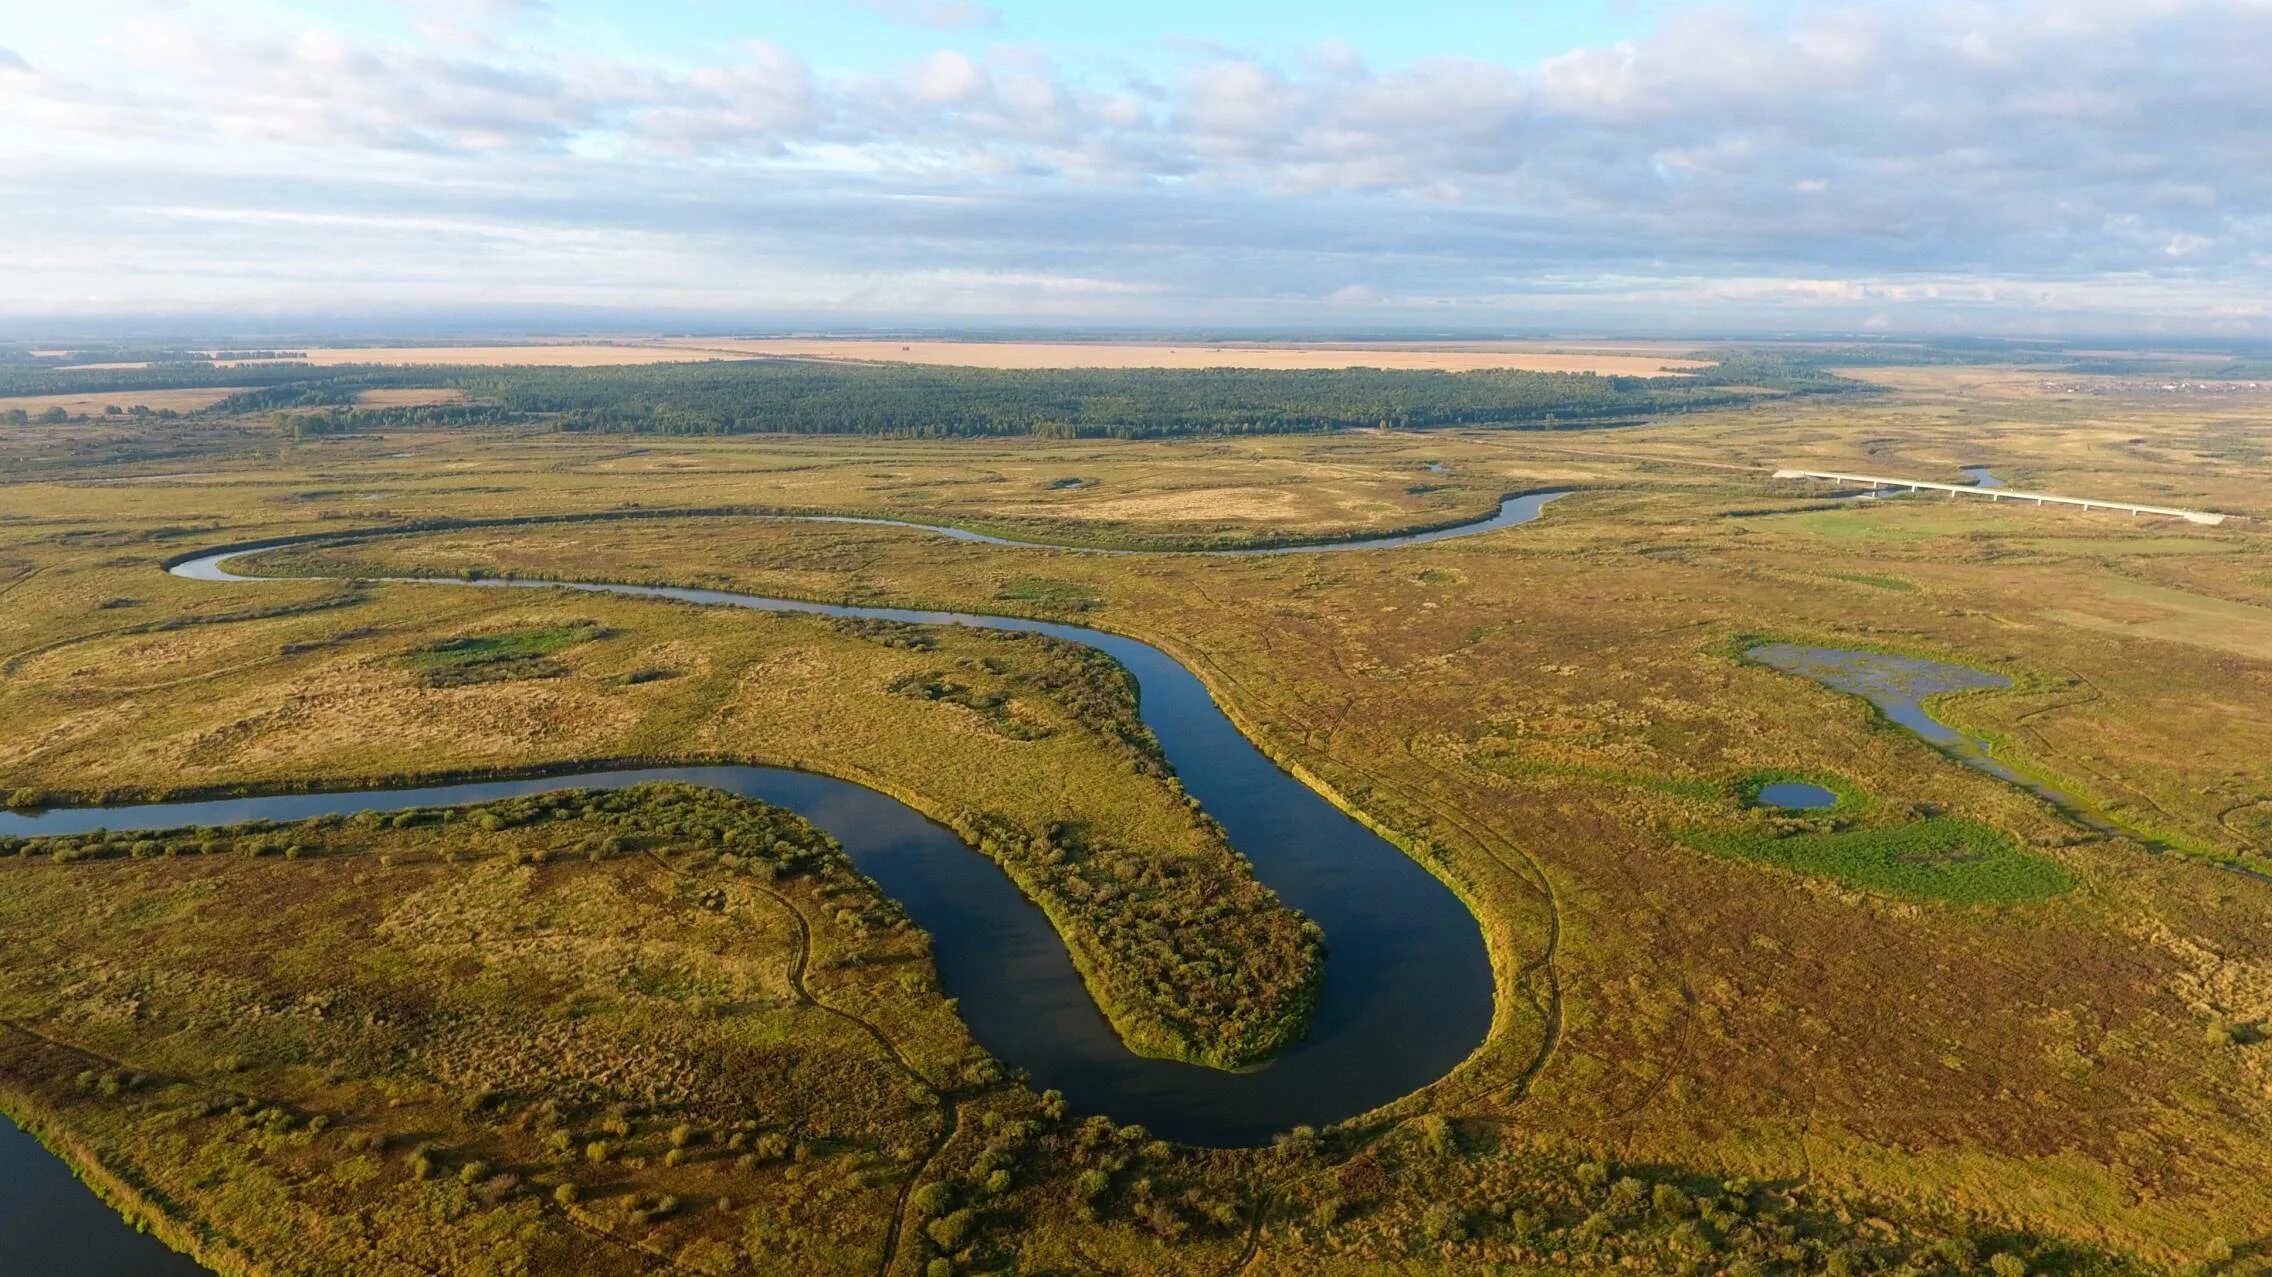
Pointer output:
x,y
1068,596
1940,859
499,658
1891,521
1877,582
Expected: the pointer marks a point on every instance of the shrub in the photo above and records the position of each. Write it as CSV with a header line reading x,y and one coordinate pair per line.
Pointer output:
x,y
2007,1264
951,1230
1437,1134
565,1194
1443,1222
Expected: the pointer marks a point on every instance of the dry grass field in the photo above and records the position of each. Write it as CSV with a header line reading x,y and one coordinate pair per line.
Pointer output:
x,y
1830,1078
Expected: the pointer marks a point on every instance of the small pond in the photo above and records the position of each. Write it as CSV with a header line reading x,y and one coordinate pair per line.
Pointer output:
x,y
1983,477
1796,796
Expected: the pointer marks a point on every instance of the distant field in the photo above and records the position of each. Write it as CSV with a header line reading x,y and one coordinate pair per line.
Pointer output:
x,y
408,397
93,402
558,355
1629,359
1464,357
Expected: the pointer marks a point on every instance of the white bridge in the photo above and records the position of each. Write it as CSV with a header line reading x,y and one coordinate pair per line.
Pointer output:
x,y
2002,494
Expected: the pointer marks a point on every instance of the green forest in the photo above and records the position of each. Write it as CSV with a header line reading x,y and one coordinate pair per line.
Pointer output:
x,y
806,397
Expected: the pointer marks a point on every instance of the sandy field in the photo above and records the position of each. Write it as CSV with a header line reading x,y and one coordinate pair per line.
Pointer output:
x,y
408,397
550,354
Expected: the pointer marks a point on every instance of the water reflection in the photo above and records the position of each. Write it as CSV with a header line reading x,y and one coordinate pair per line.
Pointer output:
x,y
1899,686
51,1225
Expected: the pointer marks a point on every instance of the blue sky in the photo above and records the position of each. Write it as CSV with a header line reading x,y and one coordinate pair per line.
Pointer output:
x,y
1659,165
848,35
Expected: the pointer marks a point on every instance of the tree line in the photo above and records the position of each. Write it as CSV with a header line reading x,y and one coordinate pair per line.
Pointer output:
x,y
798,397
809,397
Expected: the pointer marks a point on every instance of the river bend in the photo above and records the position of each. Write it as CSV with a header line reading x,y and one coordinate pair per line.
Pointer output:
x,y
1407,992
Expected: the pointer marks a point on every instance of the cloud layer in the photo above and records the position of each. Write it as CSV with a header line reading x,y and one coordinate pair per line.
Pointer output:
x,y
2028,164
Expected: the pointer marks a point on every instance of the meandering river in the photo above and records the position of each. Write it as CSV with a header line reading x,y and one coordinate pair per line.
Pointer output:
x,y
1407,992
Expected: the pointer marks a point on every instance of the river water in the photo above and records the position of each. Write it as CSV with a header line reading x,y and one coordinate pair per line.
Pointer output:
x,y
1407,991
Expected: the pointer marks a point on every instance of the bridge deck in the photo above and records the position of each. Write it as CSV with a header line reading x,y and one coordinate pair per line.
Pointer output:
x,y
2004,494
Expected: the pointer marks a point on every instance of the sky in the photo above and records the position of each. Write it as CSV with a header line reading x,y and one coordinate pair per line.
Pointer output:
x,y
2020,167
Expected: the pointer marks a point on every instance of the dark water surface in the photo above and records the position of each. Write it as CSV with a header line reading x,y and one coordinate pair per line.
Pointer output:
x,y
1407,991
1899,686
51,1225
1796,796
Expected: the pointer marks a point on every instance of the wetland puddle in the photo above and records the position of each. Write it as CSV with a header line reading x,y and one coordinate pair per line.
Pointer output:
x,y
1899,686
1793,796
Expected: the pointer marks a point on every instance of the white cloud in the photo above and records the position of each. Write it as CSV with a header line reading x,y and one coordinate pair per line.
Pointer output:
x,y
943,15
948,76
1843,156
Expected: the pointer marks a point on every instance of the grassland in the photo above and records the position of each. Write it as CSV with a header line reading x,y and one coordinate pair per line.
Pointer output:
x,y
1956,861
498,658
1550,716
661,1029
524,1037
